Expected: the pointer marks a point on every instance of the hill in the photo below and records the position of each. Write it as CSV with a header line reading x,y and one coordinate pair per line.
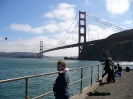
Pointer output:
x,y
118,50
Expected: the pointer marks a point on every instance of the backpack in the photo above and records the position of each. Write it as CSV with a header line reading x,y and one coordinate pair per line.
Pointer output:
x,y
119,68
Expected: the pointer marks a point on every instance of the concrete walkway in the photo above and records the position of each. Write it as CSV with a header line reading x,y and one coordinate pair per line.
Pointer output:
x,y
121,89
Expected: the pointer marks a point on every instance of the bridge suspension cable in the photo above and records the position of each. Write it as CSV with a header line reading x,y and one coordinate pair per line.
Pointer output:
x,y
100,29
104,22
58,44
70,33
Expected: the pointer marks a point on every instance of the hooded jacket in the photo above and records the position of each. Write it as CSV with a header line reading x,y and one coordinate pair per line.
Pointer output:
x,y
60,87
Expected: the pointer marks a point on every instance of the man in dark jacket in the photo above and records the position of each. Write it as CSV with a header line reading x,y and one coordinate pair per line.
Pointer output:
x,y
60,87
106,67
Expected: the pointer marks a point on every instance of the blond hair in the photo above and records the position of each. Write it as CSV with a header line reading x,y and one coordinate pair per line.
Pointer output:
x,y
62,62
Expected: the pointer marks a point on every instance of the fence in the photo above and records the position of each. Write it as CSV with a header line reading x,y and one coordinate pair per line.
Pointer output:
x,y
46,74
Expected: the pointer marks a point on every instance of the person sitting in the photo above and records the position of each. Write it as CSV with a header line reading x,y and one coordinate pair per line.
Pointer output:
x,y
118,71
119,68
127,69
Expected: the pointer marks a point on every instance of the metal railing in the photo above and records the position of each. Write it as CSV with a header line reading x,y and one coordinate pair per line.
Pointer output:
x,y
81,83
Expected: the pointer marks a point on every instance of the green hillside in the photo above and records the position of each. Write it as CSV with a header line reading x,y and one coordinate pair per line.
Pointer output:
x,y
117,50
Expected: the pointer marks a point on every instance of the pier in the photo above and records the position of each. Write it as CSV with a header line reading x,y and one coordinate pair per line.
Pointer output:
x,y
121,89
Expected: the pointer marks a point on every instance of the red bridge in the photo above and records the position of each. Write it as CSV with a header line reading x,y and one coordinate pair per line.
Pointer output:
x,y
102,31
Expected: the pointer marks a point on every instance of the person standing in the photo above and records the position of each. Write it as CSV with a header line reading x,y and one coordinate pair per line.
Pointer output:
x,y
112,70
60,87
107,70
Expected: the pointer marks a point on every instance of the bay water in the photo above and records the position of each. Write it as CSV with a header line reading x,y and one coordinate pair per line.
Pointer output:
x,y
19,67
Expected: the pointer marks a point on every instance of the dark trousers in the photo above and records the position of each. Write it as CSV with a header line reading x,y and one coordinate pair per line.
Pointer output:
x,y
105,73
61,96
111,76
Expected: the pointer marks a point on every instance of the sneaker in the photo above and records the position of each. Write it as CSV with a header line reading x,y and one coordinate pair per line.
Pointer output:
x,y
113,81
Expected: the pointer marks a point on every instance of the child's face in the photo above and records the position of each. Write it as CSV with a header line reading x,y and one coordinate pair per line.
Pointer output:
x,y
60,67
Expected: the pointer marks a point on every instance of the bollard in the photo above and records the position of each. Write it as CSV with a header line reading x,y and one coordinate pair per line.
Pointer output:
x,y
91,74
98,73
26,89
81,80
102,69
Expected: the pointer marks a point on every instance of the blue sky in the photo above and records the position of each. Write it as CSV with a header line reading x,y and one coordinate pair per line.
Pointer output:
x,y
26,22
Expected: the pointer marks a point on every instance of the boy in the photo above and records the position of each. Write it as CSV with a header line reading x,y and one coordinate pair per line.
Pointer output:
x,y
60,87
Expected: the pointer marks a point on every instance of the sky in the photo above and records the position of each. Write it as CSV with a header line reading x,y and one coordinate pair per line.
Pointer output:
x,y
27,22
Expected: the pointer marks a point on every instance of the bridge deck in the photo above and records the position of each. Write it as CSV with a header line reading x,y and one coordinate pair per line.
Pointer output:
x,y
121,89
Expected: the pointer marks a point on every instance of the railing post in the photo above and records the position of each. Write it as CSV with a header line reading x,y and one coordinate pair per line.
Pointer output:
x,y
26,89
102,69
98,73
81,80
91,74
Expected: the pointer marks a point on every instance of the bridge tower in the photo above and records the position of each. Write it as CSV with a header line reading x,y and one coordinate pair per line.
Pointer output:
x,y
82,29
41,49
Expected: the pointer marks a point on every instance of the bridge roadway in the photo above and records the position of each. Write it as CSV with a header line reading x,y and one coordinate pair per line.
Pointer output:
x,y
92,42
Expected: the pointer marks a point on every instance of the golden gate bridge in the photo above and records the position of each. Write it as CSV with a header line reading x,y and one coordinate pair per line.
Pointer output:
x,y
90,30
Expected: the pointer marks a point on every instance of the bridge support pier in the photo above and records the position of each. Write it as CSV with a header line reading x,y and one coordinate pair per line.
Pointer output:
x,y
82,29
41,49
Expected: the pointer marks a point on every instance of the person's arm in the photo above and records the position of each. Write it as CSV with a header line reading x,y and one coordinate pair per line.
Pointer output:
x,y
67,79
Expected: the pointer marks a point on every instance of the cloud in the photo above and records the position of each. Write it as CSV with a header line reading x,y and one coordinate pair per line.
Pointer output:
x,y
128,22
30,45
62,21
64,52
67,38
63,11
33,44
26,28
59,25
65,25
117,6
88,3
96,32
1,38
51,27
104,20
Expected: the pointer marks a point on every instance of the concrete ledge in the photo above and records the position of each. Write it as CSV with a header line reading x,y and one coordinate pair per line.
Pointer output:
x,y
88,89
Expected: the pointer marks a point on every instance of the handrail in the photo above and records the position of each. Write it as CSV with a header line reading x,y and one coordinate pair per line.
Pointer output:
x,y
69,85
43,95
45,74
32,76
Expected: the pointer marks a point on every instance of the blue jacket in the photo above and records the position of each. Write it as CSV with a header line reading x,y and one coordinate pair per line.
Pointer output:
x,y
60,87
